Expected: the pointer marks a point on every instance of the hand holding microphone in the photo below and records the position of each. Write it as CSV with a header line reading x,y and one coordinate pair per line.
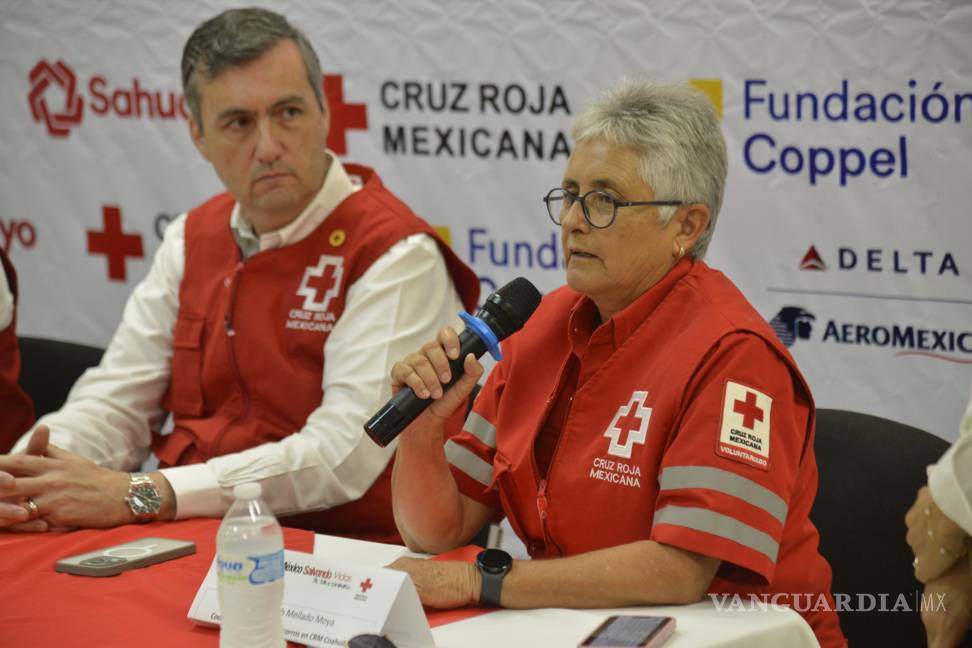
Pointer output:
x,y
503,313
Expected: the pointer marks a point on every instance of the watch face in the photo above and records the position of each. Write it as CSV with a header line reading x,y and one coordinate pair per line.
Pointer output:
x,y
494,560
144,499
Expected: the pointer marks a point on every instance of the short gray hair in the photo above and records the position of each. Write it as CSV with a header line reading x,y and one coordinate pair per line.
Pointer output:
x,y
677,135
234,38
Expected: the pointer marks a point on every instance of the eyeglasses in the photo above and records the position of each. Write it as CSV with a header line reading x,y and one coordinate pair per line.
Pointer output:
x,y
600,208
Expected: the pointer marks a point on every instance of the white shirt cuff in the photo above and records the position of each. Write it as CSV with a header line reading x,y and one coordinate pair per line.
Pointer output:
x,y
197,492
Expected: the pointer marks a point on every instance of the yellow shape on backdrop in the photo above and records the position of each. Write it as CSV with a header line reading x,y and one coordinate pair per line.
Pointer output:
x,y
711,88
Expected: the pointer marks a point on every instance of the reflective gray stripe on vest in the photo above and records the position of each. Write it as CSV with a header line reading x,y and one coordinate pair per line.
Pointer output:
x,y
725,482
720,525
480,428
466,461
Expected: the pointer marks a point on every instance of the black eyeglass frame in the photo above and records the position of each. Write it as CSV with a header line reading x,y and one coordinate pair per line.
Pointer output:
x,y
614,201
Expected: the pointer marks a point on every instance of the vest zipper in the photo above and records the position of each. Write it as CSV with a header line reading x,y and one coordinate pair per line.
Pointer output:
x,y
542,503
234,281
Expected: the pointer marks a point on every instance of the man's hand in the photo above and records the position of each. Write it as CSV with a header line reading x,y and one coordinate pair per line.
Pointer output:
x,y
947,615
14,514
936,541
69,491
442,584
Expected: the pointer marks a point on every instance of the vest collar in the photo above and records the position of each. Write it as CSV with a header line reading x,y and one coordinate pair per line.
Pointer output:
x,y
336,188
585,330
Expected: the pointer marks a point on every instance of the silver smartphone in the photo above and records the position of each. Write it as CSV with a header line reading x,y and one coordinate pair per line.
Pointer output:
x,y
112,561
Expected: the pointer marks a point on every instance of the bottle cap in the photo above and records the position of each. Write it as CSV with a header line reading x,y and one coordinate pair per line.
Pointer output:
x,y
248,491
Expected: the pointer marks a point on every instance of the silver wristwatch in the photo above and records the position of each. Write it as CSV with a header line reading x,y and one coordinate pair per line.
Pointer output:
x,y
144,497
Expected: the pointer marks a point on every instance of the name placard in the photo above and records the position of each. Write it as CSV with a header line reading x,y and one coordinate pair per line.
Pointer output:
x,y
326,602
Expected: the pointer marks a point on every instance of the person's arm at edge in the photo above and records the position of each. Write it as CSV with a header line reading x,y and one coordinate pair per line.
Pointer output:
x,y
949,479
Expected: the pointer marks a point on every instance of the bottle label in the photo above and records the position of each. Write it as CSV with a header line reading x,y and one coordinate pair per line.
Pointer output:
x,y
268,568
257,570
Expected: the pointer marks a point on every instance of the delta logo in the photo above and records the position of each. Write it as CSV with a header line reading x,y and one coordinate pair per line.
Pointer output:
x,y
794,323
884,261
57,102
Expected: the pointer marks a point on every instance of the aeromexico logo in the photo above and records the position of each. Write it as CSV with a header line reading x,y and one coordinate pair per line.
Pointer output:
x,y
794,323
320,284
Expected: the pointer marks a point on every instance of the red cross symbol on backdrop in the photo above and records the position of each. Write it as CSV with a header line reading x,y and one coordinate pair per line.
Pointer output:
x,y
366,585
344,116
114,244
749,411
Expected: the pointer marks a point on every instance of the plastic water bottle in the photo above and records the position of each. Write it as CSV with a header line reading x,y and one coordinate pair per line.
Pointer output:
x,y
250,562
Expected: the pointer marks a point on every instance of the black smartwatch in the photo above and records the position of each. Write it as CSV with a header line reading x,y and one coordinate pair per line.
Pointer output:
x,y
494,565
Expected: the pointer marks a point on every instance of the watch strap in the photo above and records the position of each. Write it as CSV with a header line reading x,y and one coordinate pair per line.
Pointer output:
x,y
493,565
489,594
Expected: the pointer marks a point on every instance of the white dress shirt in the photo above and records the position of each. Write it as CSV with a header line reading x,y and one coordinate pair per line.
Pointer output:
x,y
950,480
397,305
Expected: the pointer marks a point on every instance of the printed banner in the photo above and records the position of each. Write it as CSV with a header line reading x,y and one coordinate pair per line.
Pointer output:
x,y
846,218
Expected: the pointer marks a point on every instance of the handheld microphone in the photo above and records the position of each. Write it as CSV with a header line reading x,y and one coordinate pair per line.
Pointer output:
x,y
502,314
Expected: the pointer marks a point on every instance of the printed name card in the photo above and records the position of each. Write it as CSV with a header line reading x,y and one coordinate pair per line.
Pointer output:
x,y
326,602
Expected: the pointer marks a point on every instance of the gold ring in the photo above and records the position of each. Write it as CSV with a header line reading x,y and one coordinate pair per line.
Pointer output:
x,y
32,511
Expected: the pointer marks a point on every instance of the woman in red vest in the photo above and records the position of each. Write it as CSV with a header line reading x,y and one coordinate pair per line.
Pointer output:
x,y
646,433
16,410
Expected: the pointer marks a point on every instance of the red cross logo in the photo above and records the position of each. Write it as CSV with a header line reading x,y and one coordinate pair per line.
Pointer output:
x,y
630,422
366,585
750,412
324,279
344,116
115,244
58,122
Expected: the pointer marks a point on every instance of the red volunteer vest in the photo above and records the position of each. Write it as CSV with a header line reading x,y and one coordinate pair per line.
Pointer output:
x,y
584,505
249,340
16,409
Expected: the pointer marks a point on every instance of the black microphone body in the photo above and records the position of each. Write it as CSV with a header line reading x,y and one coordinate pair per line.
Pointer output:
x,y
502,314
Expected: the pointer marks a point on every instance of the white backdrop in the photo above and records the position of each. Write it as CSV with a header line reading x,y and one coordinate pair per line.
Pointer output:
x,y
846,220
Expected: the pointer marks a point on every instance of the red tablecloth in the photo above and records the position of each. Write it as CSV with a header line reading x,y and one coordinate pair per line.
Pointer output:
x,y
145,607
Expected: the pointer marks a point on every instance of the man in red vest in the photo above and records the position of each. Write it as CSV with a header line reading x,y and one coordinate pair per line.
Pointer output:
x,y
16,410
266,326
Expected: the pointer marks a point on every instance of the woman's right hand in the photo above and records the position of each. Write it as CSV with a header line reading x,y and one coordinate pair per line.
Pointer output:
x,y
428,370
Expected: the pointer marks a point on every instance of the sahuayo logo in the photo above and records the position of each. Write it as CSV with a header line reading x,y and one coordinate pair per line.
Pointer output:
x,y
794,323
50,83
57,122
102,99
